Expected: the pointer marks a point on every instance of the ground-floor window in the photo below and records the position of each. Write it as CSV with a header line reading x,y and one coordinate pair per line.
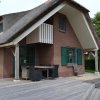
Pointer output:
x,y
71,55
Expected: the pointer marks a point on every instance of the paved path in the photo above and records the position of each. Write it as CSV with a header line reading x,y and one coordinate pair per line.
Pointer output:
x,y
86,76
95,95
58,89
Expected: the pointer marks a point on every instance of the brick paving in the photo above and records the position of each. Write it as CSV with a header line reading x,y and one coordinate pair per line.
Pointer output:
x,y
58,89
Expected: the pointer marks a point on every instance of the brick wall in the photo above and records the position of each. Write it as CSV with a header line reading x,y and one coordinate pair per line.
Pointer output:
x,y
8,69
44,54
61,39
1,62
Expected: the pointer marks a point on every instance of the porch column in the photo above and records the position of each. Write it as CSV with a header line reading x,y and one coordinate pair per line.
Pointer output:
x,y
17,62
96,63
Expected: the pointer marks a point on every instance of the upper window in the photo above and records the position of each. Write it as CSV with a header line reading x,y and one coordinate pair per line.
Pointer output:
x,y
62,23
1,26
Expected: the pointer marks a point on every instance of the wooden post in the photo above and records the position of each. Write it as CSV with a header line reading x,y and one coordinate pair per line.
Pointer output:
x,y
17,62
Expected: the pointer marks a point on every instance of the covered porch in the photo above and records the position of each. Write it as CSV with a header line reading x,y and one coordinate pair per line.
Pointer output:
x,y
37,50
36,59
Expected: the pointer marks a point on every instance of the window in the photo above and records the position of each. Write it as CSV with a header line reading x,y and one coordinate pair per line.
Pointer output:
x,y
71,55
62,23
1,27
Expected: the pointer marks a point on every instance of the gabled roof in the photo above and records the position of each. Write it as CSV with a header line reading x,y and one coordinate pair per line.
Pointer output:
x,y
36,14
32,16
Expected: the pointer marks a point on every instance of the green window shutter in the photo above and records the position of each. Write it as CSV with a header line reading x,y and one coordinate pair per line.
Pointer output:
x,y
64,56
79,56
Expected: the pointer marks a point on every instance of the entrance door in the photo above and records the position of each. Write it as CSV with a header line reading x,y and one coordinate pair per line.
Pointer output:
x,y
26,57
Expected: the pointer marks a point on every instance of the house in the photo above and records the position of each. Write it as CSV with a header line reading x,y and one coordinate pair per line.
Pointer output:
x,y
57,32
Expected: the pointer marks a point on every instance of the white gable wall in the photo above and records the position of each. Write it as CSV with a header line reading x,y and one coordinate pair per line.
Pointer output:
x,y
81,27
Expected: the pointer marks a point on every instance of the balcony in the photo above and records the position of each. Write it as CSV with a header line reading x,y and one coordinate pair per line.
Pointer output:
x,y
43,34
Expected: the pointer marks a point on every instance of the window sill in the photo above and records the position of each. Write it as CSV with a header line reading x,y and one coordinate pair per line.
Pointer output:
x,y
63,31
70,64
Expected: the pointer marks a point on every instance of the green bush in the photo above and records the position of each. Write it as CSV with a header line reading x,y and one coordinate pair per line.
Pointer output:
x,y
90,64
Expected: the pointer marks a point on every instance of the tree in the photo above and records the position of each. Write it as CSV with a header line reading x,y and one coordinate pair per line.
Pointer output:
x,y
96,23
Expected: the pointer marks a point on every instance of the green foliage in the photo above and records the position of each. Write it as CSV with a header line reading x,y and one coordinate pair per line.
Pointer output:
x,y
90,64
89,70
96,23
89,57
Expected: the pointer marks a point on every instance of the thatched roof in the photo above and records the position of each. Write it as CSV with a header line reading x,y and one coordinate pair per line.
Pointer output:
x,y
33,16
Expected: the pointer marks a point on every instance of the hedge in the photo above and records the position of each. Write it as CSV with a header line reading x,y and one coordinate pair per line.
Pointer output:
x,y
90,64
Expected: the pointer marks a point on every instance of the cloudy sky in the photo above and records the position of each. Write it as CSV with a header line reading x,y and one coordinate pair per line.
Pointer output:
x,y
7,6
92,5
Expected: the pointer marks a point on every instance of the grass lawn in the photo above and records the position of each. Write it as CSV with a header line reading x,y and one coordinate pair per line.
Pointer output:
x,y
89,70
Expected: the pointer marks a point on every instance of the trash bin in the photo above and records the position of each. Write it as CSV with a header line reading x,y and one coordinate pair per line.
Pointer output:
x,y
54,71
35,74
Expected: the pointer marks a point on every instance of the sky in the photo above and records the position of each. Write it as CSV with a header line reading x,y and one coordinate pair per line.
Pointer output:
x,y
92,5
8,6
